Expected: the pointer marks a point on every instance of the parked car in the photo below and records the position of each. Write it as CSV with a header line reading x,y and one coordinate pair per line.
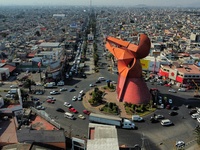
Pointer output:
x,y
50,101
195,115
193,111
60,110
40,107
35,99
54,92
72,90
159,117
39,92
73,110
167,85
63,89
67,104
81,116
174,108
166,122
14,86
180,144
79,98
173,113
98,82
92,85
182,89
172,90
74,98
154,120
86,112
51,97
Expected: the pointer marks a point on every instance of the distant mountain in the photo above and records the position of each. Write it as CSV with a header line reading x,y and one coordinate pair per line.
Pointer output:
x,y
141,5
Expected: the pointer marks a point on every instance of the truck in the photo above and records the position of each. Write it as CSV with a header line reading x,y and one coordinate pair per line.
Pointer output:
x,y
112,120
49,85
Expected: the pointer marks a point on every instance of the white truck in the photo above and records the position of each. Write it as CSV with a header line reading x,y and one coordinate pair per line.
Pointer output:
x,y
12,91
49,85
112,120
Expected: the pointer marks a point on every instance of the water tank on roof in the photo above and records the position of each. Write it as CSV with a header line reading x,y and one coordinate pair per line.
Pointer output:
x,y
198,64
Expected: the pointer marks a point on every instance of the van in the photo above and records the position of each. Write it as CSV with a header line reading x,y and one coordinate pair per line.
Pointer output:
x,y
69,115
166,122
137,118
81,92
60,83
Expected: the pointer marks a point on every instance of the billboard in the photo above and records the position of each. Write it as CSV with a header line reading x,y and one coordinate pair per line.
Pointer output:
x,y
144,64
154,66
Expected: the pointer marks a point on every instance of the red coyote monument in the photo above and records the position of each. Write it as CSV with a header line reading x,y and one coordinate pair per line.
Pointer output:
x,y
131,87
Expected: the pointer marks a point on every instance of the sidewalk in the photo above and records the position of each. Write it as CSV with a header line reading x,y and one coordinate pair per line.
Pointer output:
x,y
109,97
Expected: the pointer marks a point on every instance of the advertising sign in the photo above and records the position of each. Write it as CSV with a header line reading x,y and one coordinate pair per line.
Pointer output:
x,y
144,64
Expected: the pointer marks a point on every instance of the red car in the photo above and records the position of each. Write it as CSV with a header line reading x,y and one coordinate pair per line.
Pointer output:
x,y
86,112
167,85
50,101
73,110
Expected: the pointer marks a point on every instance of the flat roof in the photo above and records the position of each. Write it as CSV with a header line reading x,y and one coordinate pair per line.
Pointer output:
x,y
192,69
49,44
106,116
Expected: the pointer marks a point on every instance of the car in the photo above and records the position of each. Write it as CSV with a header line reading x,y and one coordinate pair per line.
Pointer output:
x,y
50,101
86,112
198,119
54,92
193,111
173,113
35,99
172,90
168,107
174,108
67,104
92,85
14,86
74,98
79,98
113,82
98,82
72,90
51,97
188,106
195,115
73,110
38,92
182,89
154,120
159,117
10,96
180,144
60,110
40,107
63,89
167,85
81,116
166,122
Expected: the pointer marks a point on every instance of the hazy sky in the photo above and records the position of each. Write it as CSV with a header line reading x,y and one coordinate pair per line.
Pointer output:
x,y
103,2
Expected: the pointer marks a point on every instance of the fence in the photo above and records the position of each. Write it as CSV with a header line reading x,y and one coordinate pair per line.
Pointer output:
x,y
45,116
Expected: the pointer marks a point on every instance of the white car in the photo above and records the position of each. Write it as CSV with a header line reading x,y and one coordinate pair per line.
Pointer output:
x,y
172,90
63,89
67,104
74,98
14,86
54,92
182,89
81,116
198,119
92,85
170,101
40,107
79,98
195,116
